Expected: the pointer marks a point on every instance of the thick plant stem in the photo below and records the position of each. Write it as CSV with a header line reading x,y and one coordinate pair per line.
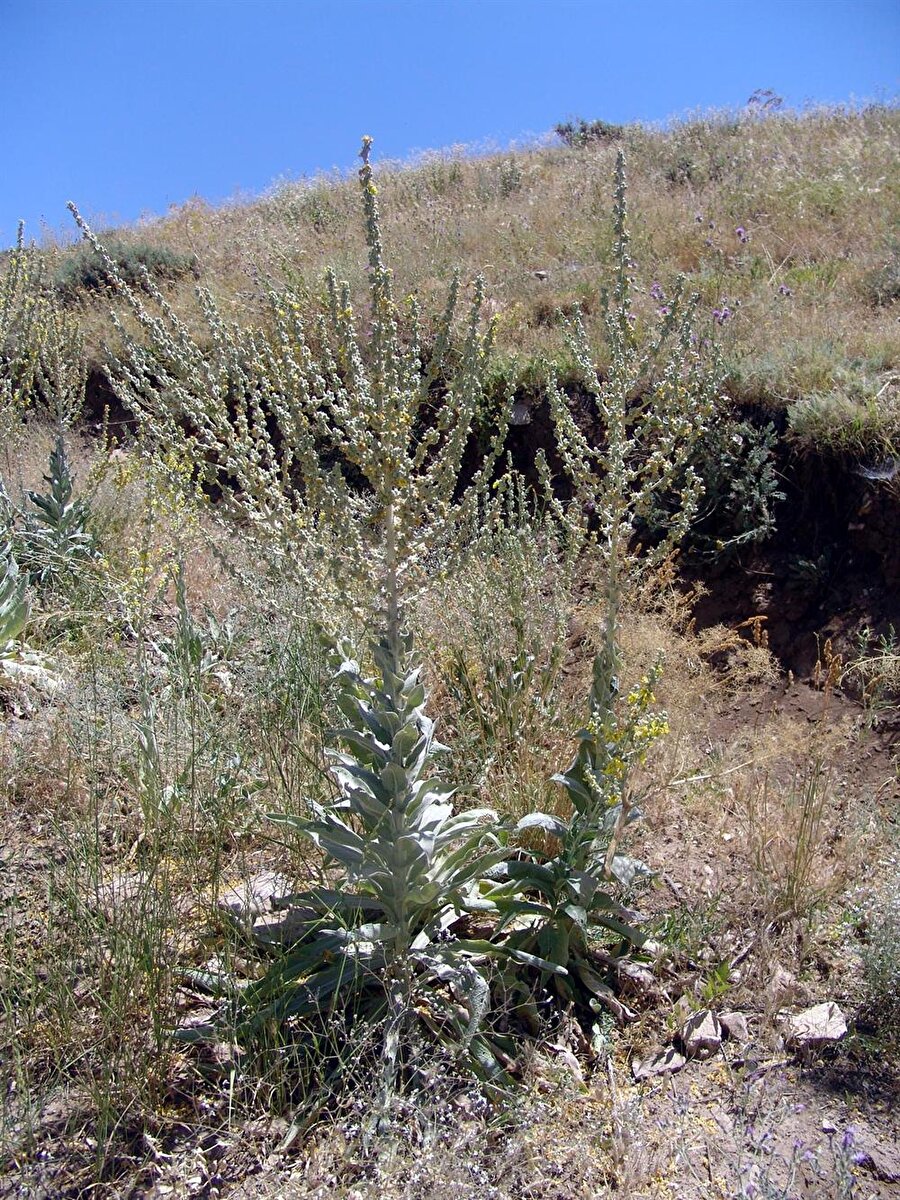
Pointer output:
x,y
392,588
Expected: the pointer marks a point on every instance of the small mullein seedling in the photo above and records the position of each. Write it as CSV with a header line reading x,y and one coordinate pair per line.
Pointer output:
x,y
567,898
198,654
56,536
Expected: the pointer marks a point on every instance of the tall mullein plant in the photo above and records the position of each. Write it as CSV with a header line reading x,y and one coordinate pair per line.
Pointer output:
x,y
651,407
261,412
22,329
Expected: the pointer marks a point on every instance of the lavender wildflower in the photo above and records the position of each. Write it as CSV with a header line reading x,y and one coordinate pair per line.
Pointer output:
x,y
742,235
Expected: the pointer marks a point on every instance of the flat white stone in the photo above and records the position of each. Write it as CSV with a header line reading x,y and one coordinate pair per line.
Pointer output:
x,y
815,1026
254,897
664,1062
735,1026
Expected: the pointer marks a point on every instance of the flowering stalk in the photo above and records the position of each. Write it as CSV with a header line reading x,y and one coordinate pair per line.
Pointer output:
x,y
259,412
652,406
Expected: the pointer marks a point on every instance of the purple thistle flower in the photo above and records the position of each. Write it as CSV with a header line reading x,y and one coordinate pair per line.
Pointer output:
x,y
656,291
698,217
742,234
784,290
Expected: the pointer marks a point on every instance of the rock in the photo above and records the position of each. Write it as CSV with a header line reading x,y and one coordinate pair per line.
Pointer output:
x,y
121,891
701,1034
815,1027
781,988
882,1160
30,671
735,1027
255,896
664,1062
636,979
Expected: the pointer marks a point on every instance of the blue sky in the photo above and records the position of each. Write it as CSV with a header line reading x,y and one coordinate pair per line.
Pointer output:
x,y
129,106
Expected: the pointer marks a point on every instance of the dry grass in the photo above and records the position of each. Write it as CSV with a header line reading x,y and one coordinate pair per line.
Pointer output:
x,y
113,878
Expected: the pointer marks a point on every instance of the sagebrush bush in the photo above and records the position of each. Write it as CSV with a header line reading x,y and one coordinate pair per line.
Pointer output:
x,y
579,132
83,269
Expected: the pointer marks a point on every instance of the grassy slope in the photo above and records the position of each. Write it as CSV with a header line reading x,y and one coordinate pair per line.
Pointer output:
x,y
818,197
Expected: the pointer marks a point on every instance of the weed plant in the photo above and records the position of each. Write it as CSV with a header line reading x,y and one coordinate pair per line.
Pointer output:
x,y
881,953
14,606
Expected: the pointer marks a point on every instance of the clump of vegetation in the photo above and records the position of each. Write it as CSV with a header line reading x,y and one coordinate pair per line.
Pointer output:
x,y
84,270
734,461
580,133
875,670
882,283
387,941
881,953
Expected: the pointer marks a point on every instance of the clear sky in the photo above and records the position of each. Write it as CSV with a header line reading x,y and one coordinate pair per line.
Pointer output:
x,y
129,106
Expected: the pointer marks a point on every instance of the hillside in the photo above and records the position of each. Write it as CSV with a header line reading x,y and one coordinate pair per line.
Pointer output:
x,y
652,532
808,282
